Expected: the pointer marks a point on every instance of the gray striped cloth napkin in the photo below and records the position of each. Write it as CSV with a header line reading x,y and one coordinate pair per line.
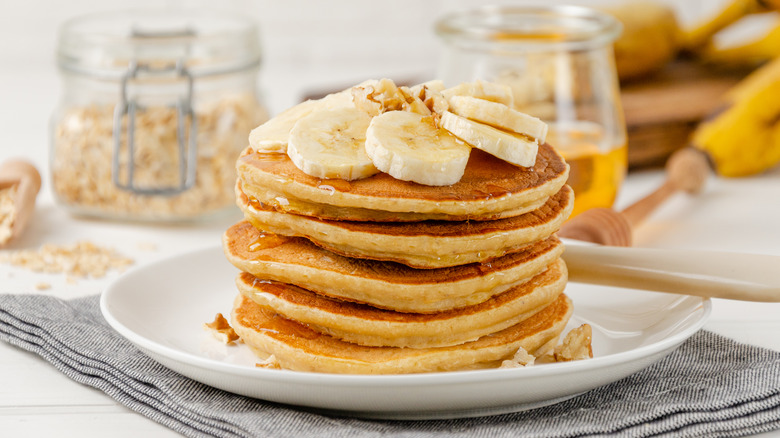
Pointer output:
x,y
710,386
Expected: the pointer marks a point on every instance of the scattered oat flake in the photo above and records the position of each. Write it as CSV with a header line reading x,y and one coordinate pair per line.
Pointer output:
x,y
221,330
42,286
82,259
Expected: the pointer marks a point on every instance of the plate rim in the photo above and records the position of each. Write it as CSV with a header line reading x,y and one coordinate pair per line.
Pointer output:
x,y
377,381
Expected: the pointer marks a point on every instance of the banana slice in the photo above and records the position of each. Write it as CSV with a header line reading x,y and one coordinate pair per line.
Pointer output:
x,y
436,85
499,116
272,136
409,147
513,148
483,90
331,144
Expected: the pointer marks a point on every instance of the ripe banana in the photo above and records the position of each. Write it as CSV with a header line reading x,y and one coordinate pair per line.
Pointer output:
x,y
409,147
331,144
499,116
701,35
750,54
649,40
514,148
744,139
272,136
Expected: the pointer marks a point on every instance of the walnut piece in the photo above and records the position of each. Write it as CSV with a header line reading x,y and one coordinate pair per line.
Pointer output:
x,y
221,330
575,346
270,362
384,96
521,359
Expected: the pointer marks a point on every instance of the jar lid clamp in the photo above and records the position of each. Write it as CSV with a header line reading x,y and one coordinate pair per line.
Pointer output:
x,y
187,141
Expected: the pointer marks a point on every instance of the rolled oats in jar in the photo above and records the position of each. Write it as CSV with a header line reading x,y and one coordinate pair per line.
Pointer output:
x,y
154,111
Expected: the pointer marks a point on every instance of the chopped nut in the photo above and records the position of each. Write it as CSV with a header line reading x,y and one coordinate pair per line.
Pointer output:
x,y
575,346
520,359
83,259
270,362
364,101
413,103
384,96
221,330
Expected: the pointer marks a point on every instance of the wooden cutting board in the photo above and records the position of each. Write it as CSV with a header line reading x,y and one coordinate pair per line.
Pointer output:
x,y
663,110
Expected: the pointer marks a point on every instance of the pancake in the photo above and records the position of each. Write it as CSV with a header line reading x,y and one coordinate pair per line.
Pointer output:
x,y
389,285
489,188
297,347
365,325
426,244
270,200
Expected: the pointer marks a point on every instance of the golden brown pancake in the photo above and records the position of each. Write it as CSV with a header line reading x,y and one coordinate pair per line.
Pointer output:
x,y
389,285
366,325
268,200
489,188
297,347
426,244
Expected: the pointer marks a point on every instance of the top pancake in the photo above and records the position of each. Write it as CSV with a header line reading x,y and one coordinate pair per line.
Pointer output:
x,y
489,188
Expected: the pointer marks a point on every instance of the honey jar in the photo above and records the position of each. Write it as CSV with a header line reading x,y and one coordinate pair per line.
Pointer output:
x,y
560,65
154,110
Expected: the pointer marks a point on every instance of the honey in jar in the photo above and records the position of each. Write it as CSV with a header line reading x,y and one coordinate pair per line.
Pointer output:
x,y
560,65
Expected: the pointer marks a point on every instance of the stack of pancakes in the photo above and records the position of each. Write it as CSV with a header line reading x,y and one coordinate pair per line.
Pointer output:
x,y
386,276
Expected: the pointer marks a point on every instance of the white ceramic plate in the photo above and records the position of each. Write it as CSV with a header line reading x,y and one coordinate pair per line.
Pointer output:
x,y
161,308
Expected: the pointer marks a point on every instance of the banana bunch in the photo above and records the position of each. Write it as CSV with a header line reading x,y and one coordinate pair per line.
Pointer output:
x,y
744,138
422,134
649,40
698,40
749,55
701,35
652,37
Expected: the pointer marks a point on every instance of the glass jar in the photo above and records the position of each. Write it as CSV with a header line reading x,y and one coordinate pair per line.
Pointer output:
x,y
154,111
560,65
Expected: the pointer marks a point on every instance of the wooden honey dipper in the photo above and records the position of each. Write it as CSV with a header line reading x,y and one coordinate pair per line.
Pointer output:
x,y
27,180
687,170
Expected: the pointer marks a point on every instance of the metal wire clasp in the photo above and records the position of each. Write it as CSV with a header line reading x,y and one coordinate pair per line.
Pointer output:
x,y
187,140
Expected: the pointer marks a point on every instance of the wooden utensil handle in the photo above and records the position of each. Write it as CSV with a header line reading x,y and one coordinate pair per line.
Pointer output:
x,y
599,225
20,172
686,170
745,277
28,182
